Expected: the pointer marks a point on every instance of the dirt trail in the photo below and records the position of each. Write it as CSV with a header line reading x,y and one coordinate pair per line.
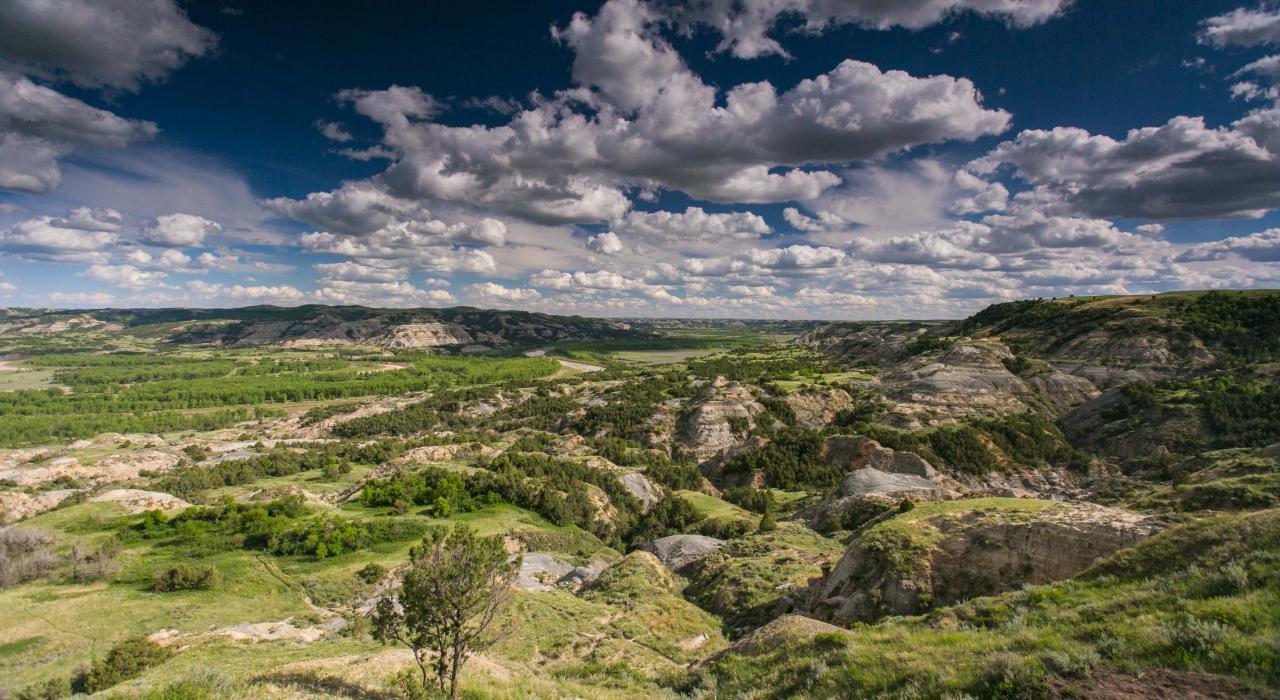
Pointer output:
x,y
580,366
389,367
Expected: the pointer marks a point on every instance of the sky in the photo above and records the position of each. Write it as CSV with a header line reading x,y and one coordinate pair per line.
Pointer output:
x,y
793,159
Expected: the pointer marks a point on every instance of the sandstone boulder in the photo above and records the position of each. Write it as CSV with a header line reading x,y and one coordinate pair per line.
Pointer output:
x,y
858,452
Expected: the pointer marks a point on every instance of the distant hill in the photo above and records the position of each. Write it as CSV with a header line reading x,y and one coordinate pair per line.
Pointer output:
x,y
1170,331
318,324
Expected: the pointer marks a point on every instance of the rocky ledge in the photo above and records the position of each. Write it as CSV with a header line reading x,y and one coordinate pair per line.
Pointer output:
x,y
942,553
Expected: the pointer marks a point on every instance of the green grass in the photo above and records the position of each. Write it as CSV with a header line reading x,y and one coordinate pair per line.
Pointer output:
x,y
712,507
616,640
161,392
919,525
664,357
26,379
76,622
47,629
745,579
800,383
1199,597
654,613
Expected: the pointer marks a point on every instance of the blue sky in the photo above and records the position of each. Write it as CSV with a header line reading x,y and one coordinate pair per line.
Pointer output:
x,y
757,158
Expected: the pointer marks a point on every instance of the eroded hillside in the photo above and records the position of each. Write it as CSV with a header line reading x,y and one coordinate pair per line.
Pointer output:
x,y
1043,499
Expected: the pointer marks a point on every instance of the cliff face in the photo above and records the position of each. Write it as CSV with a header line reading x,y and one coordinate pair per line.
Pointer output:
x,y
390,328
52,324
424,335
707,428
973,378
311,325
943,553
1033,355
815,409
864,343
877,480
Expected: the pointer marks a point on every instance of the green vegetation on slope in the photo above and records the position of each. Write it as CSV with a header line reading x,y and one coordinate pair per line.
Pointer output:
x,y
171,392
1203,597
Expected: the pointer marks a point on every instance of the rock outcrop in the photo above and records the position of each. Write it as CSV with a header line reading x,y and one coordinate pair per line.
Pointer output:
x,y
877,480
20,505
679,551
423,335
865,343
53,322
815,409
708,427
113,469
445,453
858,452
1111,427
971,378
139,501
1127,349
540,571
639,486
943,553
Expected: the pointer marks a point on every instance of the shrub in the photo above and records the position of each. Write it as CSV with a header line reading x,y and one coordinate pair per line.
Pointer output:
x,y
1190,637
670,516
371,573
1018,364
127,659
754,500
52,689
407,686
790,461
725,528
187,577
86,565
767,522
26,554
1067,664
1013,677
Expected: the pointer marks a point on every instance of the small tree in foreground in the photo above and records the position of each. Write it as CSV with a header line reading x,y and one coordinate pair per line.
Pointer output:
x,y
456,583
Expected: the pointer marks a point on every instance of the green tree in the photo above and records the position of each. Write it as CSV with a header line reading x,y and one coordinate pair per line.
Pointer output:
x,y
767,522
455,585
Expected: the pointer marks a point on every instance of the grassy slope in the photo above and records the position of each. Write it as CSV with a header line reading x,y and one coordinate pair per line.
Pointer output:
x,y
50,629
744,581
1203,596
